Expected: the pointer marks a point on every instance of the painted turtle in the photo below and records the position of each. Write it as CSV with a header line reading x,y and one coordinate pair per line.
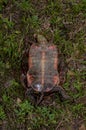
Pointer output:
x,y
42,76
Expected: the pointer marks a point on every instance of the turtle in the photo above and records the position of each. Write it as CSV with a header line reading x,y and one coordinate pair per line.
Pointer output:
x,y
42,76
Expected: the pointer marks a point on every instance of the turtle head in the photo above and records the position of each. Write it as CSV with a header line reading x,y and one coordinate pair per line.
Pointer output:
x,y
41,39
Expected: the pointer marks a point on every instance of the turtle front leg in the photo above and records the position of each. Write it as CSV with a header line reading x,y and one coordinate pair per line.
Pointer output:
x,y
61,92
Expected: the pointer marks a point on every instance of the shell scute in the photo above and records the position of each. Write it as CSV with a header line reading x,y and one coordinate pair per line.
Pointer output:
x,y
43,62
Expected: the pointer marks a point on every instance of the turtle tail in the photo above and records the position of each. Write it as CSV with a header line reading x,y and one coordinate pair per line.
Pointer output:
x,y
40,99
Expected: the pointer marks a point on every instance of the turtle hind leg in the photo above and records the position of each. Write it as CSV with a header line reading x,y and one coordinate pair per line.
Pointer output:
x,y
30,94
62,94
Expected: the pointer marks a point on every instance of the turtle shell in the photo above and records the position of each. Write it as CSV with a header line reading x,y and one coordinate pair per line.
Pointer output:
x,y
42,75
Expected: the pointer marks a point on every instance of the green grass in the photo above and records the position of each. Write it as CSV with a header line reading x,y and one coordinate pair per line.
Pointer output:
x,y
19,21
2,113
